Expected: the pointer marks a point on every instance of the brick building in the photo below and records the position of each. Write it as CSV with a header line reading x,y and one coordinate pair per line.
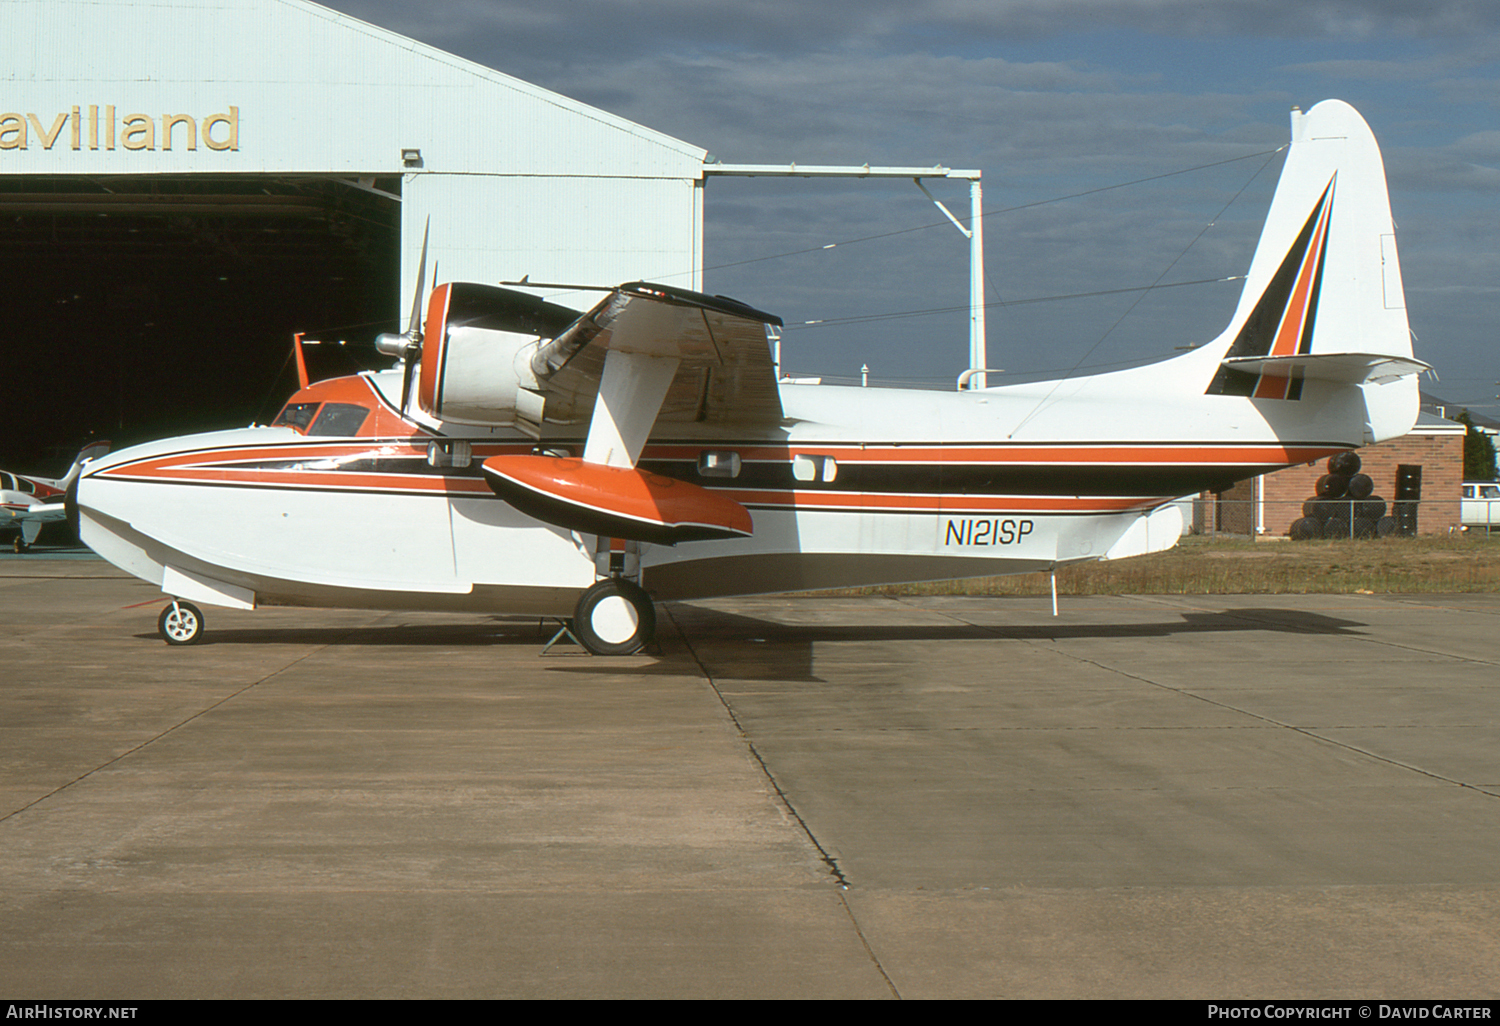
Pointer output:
x,y
1268,505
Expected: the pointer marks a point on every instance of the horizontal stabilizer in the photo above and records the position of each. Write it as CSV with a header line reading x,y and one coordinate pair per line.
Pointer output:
x,y
1348,368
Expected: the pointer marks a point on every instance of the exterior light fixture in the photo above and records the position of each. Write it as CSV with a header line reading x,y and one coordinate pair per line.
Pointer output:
x,y
411,157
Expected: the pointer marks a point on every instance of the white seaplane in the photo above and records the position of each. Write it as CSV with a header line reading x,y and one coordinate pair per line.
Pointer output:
x,y
585,464
29,503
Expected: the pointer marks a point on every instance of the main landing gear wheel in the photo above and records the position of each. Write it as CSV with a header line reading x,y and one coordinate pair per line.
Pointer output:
x,y
615,617
181,623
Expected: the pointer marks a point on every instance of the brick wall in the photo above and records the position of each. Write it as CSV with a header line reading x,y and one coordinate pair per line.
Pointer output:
x,y
1440,454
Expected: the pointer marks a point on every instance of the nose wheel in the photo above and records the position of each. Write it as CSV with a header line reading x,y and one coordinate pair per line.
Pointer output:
x,y
181,623
615,617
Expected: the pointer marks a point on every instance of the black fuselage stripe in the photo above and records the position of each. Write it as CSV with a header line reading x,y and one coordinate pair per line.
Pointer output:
x,y
1094,480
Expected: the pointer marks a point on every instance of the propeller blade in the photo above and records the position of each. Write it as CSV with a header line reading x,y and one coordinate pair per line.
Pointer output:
x,y
415,329
406,376
422,279
412,351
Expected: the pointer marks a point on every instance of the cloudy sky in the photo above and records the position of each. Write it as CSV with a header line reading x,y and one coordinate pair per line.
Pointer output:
x,y
1182,104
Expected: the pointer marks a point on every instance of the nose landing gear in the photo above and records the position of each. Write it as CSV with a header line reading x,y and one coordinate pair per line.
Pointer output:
x,y
181,623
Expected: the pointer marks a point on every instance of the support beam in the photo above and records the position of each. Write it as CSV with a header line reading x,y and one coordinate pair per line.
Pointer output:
x,y
975,376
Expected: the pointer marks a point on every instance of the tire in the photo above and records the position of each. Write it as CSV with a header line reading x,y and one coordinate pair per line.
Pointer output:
x,y
615,617
1346,463
1332,486
181,623
1337,527
1305,529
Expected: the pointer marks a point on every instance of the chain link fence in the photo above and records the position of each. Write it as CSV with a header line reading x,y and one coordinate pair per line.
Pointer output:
x,y
1371,517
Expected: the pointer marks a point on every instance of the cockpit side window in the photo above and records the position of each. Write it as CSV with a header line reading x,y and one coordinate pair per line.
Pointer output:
x,y
342,419
296,415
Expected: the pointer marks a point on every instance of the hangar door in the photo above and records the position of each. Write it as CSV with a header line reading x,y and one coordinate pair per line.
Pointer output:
x,y
139,307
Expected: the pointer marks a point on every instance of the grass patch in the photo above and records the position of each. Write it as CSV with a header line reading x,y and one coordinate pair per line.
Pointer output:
x,y
1201,566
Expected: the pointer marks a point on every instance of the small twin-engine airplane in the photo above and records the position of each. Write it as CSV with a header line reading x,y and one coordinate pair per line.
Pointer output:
x,y
583,464
30,502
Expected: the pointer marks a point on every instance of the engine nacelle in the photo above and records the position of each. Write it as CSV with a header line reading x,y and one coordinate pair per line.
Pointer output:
x,y
476,354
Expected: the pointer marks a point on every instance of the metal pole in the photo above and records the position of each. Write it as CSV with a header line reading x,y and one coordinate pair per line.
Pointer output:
x,y
978,347
1054,593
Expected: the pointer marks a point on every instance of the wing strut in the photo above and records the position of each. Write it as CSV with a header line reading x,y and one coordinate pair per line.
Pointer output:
x,y
631,391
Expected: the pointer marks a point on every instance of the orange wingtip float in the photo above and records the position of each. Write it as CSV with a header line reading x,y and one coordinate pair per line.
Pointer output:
x,y
617,502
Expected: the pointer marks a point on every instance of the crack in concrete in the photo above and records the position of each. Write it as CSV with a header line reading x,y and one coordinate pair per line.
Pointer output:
x,y
827,857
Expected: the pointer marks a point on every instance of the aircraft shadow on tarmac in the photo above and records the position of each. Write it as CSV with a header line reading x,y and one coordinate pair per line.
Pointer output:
x,y
499,630
734,646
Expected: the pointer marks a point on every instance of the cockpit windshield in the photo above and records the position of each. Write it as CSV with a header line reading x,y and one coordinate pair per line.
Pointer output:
x,y
343,419
296,415
328,419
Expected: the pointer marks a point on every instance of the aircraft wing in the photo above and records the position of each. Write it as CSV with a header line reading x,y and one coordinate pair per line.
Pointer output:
x,y
723,374
31,518
41,513
647,358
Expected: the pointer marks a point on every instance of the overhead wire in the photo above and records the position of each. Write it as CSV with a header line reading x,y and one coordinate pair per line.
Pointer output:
x,y
1129,310
985,213
992,213
829,321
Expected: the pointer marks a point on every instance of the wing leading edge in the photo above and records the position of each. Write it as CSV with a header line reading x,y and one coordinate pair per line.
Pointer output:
x,y
724,374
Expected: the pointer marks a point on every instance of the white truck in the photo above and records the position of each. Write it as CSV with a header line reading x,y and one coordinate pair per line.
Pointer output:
x,y
1480,506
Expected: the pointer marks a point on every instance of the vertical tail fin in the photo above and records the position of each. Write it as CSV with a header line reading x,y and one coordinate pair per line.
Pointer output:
x,y
92,451
1324,299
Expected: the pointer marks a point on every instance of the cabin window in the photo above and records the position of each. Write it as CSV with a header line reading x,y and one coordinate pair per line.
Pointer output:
x,y
719,464
296,415
342,419
814,468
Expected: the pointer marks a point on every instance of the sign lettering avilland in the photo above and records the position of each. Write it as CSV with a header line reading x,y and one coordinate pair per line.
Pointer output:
x,y
99,127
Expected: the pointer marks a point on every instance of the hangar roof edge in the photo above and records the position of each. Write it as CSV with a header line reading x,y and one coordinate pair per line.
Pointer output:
x,y
498,77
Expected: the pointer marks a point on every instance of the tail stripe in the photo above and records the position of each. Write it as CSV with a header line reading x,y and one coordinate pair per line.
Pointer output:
x,y
1282,322
1295,334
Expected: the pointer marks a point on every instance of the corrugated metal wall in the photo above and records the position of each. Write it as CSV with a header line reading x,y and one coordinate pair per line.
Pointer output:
x,y
516,179
586,231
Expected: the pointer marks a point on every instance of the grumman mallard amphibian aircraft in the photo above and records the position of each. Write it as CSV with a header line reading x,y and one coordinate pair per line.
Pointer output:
x,y
586,464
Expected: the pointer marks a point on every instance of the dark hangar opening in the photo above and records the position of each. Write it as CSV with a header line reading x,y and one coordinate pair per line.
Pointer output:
x,y
143,307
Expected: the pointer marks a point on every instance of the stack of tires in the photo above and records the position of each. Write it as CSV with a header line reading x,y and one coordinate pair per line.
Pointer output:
x,y
1344,506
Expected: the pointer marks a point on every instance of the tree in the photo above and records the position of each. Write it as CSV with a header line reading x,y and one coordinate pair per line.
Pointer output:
x,y
1479,451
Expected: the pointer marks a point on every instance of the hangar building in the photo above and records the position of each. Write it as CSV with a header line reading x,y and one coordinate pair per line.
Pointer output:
x,y
184,184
